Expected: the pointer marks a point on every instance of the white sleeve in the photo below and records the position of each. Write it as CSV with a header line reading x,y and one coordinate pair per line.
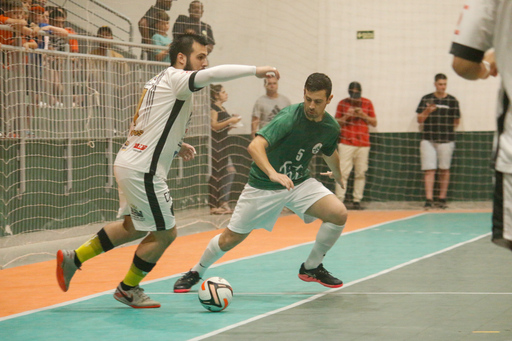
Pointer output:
x,y
474,34
222,73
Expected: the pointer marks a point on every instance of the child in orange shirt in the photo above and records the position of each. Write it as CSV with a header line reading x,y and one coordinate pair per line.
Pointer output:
x,y
12,14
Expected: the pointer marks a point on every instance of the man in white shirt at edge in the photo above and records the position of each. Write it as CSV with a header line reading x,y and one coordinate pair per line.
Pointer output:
x,y
142,164
482,46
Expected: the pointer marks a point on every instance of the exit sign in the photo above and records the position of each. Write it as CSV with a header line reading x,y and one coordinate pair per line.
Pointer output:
x,y
365,34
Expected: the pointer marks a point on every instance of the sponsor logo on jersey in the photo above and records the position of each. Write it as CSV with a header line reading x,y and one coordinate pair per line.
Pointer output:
x,y
136,214
167,196
293,172
316,148
139,147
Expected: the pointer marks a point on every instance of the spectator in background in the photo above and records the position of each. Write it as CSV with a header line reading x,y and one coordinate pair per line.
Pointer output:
x,y
13,16
26,7
37,80
99,79
57,19
104,48
354,114
439,114
193,24
37,23
11,13
147,24
223,170
268,105
161,38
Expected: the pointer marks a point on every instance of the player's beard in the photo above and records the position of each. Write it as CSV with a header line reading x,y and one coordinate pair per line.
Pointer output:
x,y
188,66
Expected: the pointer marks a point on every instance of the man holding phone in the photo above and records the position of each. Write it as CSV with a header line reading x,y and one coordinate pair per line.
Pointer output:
x,y
439,114
355,115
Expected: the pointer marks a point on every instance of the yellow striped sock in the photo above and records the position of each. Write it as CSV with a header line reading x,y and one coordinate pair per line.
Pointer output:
x,y
89,249
134,276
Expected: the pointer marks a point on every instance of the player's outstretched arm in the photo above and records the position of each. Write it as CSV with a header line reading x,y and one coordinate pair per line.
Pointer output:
x,y
472,70
223,73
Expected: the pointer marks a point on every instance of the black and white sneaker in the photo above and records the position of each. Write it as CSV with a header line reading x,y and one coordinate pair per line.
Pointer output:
x,y
186,282
319,275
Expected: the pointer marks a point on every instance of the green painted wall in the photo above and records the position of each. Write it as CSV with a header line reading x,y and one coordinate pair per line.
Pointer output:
x,y
394,175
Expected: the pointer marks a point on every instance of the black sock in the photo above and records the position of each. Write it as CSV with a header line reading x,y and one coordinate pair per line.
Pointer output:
x,y
77,261
126,287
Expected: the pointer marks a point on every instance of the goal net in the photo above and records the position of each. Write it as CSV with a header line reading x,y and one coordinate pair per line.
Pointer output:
x,y
64,115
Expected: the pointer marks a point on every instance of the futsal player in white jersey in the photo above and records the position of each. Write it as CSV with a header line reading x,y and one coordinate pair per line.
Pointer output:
x,y
484,25
141,167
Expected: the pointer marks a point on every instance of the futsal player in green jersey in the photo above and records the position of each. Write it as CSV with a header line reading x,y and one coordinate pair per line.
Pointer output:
x,y
279,178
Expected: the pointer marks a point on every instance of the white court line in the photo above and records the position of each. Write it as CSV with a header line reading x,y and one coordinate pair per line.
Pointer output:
x,y
255,318
426,293
350,293
85,298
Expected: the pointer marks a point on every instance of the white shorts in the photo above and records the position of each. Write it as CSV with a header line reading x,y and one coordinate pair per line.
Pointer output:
x,y
436,155
146,198
260,208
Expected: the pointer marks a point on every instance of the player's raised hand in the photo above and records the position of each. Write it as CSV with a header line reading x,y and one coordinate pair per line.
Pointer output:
x,y
331,176
187,152
490,59
283,179
267,71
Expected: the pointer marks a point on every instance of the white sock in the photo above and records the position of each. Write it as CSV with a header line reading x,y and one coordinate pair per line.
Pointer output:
x,y
326,237
212,254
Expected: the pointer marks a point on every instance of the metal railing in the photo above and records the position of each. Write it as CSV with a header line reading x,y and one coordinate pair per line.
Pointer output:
x,y
82,13
49,95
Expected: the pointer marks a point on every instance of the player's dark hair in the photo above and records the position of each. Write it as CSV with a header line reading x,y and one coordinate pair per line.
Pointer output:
x,y
183,44
214,91
317,82
440,76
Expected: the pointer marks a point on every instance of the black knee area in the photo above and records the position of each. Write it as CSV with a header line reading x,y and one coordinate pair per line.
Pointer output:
x,y
105,242
142,264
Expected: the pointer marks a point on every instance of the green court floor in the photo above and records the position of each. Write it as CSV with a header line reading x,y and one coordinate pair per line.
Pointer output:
x,y
434,276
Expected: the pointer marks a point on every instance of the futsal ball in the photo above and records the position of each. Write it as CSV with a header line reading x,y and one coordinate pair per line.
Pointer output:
x,y
215,294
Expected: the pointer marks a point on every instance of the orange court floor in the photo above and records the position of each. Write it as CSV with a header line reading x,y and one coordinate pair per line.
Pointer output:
x,y
34,286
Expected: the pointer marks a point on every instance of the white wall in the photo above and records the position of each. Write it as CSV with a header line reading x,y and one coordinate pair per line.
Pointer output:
x,y
411,45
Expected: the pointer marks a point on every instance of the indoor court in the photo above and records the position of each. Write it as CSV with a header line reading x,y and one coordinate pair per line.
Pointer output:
x,y
408,275
417,265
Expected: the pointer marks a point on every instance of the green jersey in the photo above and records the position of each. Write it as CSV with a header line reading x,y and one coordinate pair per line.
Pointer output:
x,y
292,142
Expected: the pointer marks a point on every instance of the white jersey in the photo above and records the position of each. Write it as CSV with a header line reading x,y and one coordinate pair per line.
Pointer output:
x,y
485,24
160,123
